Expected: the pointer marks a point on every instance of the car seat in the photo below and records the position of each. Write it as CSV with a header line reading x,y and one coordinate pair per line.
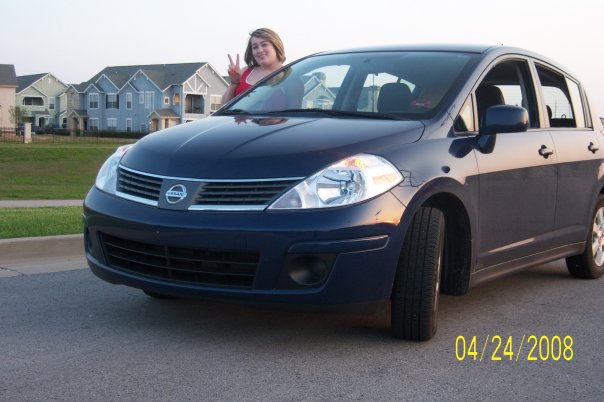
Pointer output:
x,y
394,97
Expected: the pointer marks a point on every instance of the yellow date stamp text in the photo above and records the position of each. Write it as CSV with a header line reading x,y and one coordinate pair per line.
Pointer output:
x,y
527,347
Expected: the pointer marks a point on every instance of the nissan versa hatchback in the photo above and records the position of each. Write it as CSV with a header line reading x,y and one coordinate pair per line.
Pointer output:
x,y
353,179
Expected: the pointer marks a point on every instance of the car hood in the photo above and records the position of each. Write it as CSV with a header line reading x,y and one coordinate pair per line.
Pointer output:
x,y
227,147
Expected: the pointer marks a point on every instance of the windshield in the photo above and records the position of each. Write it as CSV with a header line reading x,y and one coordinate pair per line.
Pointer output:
x,y
405,84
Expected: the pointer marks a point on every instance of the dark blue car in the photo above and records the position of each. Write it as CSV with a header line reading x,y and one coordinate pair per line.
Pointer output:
x,y
354,179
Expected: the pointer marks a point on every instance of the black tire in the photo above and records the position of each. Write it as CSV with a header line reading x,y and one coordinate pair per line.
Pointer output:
x,y
418,275
590,264
156,295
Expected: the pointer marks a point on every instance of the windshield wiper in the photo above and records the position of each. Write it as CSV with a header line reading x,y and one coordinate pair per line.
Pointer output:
x,y
342,113
234,112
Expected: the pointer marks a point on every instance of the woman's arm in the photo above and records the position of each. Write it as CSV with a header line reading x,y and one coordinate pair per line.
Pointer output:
x,y
229,93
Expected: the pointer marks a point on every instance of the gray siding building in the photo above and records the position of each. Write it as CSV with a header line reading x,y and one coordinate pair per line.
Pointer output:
x,y
39,95
144,98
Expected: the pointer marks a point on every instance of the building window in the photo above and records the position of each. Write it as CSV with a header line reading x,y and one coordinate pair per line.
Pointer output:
x,y
176,99
51,103
33,101
129,125
51,121
149,99
112,101
93,124
141,98
166,100
129,100
215,102
111,124
93,101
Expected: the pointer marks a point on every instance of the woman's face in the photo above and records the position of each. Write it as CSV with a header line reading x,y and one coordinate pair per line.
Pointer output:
x,y
264,52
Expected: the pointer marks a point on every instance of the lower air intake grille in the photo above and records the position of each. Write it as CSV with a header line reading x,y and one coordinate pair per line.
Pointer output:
x,y
203,267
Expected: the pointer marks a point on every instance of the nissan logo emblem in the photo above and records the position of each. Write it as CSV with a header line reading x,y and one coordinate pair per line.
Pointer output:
x,y
176,194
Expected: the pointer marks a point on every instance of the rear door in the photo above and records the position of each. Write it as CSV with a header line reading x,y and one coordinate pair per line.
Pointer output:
x,y
578,151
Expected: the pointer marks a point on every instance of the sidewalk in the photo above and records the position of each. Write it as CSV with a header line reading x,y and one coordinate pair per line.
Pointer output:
x,y
40,203
34,255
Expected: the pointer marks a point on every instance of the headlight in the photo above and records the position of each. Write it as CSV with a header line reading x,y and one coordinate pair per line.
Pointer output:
x,y
346,182
106,179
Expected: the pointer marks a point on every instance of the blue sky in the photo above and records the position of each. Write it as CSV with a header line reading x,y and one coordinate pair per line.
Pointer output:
x,y
74,39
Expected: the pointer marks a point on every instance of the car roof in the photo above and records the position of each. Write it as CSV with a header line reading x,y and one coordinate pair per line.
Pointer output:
x,y
491,51
416,47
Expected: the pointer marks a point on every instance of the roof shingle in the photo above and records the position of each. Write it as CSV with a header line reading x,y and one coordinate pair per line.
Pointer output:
x,y
163,75
8,78
25,81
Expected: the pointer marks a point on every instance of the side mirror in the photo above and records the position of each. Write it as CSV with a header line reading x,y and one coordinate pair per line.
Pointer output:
x,y
500,119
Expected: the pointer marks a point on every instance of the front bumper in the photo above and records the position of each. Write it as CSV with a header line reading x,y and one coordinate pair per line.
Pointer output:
x,y
357,247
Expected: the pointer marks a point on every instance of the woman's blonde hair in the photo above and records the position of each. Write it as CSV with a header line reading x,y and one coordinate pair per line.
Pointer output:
x,y
269,35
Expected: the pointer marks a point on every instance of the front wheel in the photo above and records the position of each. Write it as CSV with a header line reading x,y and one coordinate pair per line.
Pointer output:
x,y
418,275
590,264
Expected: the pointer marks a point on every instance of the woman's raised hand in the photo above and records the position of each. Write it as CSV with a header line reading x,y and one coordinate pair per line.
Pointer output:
x,y
234,70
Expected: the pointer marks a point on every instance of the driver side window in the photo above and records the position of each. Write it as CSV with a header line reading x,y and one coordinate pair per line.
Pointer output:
x,y
508,83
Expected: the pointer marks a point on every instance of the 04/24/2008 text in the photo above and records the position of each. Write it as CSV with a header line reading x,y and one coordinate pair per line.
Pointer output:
x,y
528,347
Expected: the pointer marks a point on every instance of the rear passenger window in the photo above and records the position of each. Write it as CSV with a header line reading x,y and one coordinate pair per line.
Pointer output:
x,y
577,104
562,99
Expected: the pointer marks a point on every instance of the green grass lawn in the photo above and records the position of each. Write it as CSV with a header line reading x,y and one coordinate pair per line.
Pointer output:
x,y
31,222
50,172
47,172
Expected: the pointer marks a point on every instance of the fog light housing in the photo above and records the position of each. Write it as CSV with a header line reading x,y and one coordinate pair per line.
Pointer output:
x,y
87,241
306,270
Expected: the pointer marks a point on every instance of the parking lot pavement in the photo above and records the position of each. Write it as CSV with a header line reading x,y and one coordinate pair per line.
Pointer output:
x,y
34,255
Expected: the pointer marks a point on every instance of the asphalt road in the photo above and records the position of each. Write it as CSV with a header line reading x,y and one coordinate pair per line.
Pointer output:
x,y
70,336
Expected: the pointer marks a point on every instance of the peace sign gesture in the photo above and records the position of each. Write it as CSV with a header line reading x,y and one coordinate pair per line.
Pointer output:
x,y
234,70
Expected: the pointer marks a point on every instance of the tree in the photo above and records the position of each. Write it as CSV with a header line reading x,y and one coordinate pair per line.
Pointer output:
x,y
16,114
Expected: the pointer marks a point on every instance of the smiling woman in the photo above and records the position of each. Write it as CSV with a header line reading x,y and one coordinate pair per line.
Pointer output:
x,y
264,54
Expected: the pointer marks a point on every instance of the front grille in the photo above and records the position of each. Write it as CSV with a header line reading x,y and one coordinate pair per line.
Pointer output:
x,y
204,267
242,193
214,194
138,185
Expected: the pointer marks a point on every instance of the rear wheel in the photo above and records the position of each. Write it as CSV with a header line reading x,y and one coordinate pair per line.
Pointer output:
x,y
417,281
590,264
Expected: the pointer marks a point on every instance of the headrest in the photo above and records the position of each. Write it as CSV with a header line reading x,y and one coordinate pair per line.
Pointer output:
x,y
394,97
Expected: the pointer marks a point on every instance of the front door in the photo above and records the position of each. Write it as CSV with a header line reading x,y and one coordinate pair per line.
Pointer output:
x,y
517,205
518,179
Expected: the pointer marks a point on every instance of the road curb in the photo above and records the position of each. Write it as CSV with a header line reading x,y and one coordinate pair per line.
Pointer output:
x,y
41,248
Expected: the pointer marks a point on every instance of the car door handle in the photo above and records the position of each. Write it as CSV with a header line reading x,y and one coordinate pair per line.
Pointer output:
x,y
593,147
545,151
